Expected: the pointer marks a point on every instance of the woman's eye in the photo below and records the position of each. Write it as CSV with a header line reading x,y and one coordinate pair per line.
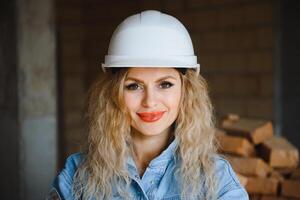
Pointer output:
x,y
133,86
165,85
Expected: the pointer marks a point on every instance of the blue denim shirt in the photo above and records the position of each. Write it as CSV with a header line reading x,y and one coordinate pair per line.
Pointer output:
x,y
158,181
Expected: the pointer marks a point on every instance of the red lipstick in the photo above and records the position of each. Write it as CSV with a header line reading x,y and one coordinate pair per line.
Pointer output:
x,y
150,116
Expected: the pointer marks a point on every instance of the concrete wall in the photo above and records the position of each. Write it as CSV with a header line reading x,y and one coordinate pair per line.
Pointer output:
x,y
28,99
37,96
9,143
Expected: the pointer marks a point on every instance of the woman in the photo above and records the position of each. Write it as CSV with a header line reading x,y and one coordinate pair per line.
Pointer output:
x,y
150,123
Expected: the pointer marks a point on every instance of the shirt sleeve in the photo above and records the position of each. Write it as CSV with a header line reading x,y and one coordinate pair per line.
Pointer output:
x,y
229,187
61,188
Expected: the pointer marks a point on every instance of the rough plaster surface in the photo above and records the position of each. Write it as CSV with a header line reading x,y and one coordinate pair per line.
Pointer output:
x,y
37,97
39,164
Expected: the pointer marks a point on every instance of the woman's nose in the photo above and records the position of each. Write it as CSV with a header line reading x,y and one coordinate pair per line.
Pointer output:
x,y
150,98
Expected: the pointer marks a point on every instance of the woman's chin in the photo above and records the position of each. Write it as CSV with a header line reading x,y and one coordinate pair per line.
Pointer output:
x,y
149,132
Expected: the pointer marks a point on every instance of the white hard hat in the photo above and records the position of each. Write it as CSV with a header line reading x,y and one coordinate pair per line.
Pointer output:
x,y
151,39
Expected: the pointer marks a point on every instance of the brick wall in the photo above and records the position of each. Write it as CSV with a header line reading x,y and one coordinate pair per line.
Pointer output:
x,y
234,40
235,43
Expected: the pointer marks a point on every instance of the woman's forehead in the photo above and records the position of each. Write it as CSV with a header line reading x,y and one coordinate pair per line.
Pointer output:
x,y
152,71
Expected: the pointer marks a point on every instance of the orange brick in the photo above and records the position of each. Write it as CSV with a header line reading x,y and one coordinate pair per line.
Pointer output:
x,y
254,196
296,174
249,166
269,197
255,130
285,172
291,188
259,185
279,153
276,174
243,179
233,117
235,145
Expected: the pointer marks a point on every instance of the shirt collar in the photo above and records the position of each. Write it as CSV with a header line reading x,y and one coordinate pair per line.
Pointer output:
x,y
160,161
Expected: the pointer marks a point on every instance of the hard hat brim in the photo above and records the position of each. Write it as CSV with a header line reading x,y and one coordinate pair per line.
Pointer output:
x,y
152,61
196,67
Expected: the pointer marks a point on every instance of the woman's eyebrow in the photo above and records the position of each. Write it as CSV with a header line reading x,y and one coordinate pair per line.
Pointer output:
x,y
166,77
134,79
158,80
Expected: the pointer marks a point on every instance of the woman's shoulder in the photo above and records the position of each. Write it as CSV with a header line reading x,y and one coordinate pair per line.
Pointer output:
x,y
62,184
71,165
74,161
223,167
229,186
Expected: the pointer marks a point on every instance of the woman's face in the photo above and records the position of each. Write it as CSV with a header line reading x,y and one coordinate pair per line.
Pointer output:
x,y
152,97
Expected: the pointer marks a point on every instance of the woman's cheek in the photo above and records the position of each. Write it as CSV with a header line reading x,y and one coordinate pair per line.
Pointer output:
x,y
173,99
131,101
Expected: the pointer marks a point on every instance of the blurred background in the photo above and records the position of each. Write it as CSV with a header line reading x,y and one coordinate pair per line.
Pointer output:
x,y
51,52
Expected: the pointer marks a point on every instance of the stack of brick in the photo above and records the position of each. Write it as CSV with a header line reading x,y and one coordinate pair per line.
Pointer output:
x,y
266,165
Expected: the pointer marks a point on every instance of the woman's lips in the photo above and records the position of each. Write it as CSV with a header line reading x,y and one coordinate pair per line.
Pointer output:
x,y
151,116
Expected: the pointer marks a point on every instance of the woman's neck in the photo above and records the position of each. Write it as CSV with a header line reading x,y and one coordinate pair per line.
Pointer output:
x,y
146,148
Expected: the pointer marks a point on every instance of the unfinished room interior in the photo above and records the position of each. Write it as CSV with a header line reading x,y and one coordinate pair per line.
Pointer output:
x,y
51,53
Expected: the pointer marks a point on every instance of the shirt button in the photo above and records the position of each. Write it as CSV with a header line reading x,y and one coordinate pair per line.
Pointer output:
x,y
152,182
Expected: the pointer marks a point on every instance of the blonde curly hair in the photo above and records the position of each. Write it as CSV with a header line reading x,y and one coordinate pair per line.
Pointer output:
x,y
109,142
